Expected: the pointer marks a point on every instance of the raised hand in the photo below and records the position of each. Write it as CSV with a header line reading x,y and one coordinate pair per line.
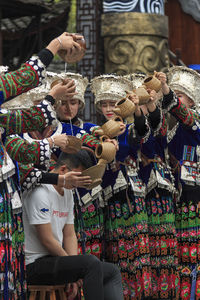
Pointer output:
x,y
64,90
75,52
163,79
151,105
60,140
114,142
75,179
135,99
68,44
64,42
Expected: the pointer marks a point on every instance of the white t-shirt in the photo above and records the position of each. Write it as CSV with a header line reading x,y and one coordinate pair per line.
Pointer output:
x,y
45,205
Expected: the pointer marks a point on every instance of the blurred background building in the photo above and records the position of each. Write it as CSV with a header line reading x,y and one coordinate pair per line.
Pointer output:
x,y
122,37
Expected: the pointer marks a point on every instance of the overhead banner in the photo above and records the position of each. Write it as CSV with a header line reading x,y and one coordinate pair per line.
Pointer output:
x,y
143,6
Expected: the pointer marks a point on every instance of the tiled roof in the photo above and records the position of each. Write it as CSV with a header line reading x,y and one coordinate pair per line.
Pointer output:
x,y
48,10
35,2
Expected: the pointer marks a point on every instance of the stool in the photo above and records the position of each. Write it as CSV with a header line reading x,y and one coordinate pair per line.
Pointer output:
x,y
47,292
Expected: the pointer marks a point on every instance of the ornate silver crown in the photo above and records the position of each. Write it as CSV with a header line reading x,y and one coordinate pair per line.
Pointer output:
x,y
80,82
110,87
187,81
137,79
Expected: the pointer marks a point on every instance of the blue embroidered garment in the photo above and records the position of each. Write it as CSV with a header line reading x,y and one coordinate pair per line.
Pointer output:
x,y
184,146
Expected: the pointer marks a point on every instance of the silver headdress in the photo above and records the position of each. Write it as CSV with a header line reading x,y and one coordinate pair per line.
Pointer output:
x,y
80,82
186,81
110,87
137,79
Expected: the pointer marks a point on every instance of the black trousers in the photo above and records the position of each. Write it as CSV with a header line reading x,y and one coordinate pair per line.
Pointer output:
x,y
101,280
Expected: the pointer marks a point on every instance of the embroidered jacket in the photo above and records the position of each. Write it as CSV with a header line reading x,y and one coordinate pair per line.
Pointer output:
x,y
30,175
124,170
184,141
154,168
30,75
14,83
20,121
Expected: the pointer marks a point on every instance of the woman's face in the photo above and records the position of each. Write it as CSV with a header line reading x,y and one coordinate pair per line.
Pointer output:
x,y
107,107
189,103
69,110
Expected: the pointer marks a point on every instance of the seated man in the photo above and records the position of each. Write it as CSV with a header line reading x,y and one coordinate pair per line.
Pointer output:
x,y
51,243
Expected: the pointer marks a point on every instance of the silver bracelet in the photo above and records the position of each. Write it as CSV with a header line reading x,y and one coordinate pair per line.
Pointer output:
x,y
59,41
53,141
64,181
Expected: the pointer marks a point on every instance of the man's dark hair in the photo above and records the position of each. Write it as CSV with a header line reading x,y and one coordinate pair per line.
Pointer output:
x,y
84,158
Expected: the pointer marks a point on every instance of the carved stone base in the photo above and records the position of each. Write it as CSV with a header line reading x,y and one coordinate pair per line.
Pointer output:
x,y
135,42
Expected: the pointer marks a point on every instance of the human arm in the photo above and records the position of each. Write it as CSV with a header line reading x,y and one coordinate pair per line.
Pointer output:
x,y
154,112
70,243
156,118
184,115
139,129
33,72
158,122
35,152
28,76
19,149
64,42
31,176
173,105
47,239
90,140
34,118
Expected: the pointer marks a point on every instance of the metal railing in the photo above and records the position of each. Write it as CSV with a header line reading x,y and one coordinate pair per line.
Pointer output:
x,y
175,58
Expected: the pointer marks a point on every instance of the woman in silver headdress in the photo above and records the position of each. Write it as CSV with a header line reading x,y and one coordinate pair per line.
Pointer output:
x,y
88,220
156,173
31,74
125,215
181,100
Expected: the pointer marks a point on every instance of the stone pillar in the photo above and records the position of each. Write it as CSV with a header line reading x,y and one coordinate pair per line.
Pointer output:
x,y
135,42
